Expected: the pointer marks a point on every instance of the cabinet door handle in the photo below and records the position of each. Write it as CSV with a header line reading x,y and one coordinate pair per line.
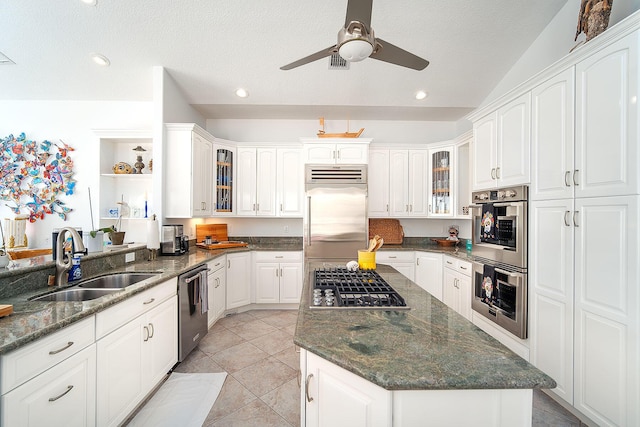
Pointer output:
x,y
151,329
575,218
410,208
69,344
417,261
146,330
429,208
387,208
306,388
498,173
567,178
280,207
53,399
338,151
254,207
229,263
493,173
566,218
149,301
575,175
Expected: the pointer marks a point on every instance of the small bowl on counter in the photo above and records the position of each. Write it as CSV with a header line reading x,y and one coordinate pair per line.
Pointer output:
x,y
446,242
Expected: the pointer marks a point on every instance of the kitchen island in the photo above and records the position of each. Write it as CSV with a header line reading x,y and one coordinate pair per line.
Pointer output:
x,y
423,366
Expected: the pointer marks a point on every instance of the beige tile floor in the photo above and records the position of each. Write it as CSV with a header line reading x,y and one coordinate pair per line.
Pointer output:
x,y
256,349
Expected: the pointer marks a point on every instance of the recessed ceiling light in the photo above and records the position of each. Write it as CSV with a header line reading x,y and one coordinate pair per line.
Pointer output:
x,y
101,60
90,2
421,94
242,93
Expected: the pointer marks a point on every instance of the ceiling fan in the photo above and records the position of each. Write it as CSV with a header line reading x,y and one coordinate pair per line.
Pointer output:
x,y
357,42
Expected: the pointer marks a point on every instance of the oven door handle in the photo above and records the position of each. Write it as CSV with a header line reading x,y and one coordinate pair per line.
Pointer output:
x,y
507,204
508,273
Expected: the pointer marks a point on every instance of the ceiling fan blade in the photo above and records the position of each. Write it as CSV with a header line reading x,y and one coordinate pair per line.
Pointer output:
x,y
313,57
359,10
387,52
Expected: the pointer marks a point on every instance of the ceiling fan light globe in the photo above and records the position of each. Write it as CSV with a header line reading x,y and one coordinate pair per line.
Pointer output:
x,y
355,50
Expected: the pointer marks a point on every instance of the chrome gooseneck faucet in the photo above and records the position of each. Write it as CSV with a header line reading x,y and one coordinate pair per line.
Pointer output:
x,y
62,265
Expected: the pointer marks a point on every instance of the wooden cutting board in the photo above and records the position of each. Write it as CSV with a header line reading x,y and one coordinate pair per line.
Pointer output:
x,y
5,309
223,245
216,231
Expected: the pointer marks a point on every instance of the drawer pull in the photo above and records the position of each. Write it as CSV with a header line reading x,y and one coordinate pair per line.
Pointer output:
x,y
279,256
69,344
53,399
149,301
463,268
306,388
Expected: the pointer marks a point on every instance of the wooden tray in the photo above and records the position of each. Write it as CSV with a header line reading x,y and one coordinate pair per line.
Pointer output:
x,y
5,309
222,245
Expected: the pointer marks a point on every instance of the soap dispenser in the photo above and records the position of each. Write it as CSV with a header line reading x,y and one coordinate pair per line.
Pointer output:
x,y
76,272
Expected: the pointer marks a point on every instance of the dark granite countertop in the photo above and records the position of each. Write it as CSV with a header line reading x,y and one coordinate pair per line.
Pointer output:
x,y
32,320
429,347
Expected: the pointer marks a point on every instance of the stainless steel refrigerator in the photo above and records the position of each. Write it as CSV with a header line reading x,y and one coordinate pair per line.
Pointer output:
x,y
335,223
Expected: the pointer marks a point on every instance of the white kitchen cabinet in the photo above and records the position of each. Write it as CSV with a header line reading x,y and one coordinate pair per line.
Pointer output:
x,y
378,183
63,396
502,146
428,272
408,180
403,261
217,283
289,182
584,299
462,185
238,279
138,353
442,180
457,285
606,149
333,151
256,181
136,190
278,277
189,172
224,156
551,307
333,396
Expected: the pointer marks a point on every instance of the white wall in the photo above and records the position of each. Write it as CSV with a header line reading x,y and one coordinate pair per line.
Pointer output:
x,y
554,43
72,122
408,132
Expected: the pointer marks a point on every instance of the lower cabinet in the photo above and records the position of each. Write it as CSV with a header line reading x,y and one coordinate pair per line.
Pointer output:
x,y
217,286
278,277
238,279
457,285
132,359
429,273
403,261
335,397
64,395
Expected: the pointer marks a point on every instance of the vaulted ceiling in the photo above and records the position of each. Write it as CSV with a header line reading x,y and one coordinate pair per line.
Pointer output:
x,y
212,47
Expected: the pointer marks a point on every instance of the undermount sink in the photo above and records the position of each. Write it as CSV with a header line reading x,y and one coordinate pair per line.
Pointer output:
x,y
116,280
75,294
96,287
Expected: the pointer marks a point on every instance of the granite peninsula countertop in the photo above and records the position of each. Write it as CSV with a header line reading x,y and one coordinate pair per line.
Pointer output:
x,y
32,320
429,347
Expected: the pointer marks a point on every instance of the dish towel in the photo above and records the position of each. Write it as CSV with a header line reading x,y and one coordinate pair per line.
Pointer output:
x,y
193,289
204,292
489,294
488,225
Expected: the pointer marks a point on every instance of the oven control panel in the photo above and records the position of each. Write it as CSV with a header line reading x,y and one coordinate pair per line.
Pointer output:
x,y
502,194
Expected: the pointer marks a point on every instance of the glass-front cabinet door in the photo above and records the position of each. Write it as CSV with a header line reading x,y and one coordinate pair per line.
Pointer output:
x,y
441,181
224,180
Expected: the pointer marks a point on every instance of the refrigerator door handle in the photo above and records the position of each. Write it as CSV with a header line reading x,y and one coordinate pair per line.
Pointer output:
x,y
308,220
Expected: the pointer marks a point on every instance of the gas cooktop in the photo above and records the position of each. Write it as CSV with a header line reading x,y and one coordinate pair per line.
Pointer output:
x,y
340,288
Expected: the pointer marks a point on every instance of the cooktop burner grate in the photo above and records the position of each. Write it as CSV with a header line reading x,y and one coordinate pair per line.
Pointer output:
x,y
343,288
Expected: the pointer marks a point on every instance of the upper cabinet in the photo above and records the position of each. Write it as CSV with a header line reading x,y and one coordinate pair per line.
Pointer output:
x,y
552,119
606,149
124,194
270,181
502,145
408,182
441,181
224,155
378,182
189,171
333,151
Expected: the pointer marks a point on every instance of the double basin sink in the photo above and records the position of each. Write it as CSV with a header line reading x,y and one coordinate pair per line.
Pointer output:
x,y
95,288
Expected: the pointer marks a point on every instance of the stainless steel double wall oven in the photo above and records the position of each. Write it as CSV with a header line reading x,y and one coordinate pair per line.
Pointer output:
x,y
499,229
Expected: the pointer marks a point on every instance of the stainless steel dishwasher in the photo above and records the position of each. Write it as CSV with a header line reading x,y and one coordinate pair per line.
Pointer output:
x,y
192,309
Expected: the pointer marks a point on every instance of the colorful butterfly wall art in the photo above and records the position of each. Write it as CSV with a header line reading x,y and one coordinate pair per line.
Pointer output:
x,y
34,175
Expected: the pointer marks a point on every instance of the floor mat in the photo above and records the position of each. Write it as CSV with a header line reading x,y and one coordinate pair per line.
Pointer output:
x,y
183,400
